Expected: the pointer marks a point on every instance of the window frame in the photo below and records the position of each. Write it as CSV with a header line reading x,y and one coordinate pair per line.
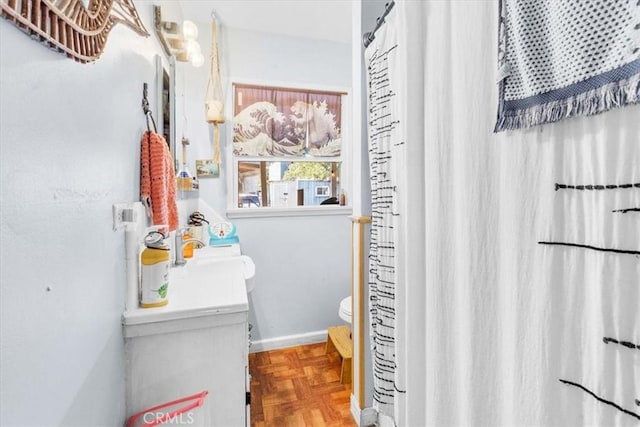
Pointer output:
x,y
231,161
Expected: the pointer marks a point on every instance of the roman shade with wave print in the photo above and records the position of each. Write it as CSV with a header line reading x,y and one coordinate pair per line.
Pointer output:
x,y
286,122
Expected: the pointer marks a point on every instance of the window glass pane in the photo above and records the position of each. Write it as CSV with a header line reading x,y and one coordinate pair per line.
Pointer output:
x,y
322,190
287,183
249,185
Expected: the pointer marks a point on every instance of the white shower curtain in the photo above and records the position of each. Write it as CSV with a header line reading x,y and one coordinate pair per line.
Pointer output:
x,y
484,323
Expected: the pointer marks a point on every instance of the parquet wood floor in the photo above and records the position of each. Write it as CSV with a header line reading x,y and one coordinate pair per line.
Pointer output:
x,y
298,387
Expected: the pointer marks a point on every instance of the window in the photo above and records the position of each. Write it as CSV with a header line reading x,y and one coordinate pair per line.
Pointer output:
x,y
287,146
322,190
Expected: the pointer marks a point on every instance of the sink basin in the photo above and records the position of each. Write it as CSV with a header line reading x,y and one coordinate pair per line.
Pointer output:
x,y
219,253
223,251
211,284
202,263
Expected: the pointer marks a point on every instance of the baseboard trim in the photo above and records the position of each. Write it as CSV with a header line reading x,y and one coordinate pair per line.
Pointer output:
x,y
363,417
288,341
355,410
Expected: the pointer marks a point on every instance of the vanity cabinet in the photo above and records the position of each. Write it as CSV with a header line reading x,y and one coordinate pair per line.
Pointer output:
x,y
197,342
167,360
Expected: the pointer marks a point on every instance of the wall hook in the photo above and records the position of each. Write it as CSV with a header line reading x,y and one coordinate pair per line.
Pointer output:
x,y
145,101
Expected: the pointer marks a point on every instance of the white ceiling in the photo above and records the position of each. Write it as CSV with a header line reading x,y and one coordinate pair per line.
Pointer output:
x,y
319,19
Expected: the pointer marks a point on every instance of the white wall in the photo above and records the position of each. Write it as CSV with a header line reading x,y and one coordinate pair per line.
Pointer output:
x,y
69,149
302,263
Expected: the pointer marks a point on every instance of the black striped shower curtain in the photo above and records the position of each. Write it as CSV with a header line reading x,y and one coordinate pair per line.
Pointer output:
x,y
504,269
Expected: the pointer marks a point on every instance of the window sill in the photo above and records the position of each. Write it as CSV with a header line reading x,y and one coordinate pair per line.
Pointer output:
x,y
288,212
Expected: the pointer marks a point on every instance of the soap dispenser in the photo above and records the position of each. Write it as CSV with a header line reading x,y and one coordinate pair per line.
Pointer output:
x,y
155,261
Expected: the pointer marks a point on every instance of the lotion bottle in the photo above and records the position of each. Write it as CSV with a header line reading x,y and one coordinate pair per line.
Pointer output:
x,y
155,261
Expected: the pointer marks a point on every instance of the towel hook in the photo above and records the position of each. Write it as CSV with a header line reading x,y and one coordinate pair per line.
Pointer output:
x,y
145,101
146,109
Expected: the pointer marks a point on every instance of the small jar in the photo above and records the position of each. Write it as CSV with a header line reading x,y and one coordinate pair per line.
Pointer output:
x,y
187,252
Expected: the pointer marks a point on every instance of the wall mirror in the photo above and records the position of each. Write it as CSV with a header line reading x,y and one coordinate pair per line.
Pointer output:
x,y
166,102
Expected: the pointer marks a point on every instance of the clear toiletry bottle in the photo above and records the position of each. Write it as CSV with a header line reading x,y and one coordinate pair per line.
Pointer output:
x,y
184,178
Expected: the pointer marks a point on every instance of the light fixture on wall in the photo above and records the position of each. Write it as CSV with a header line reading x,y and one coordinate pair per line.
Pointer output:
x,y
214,99
179,40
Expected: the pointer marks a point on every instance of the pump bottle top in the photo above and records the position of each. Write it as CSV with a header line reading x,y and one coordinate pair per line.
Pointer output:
x,y
155,238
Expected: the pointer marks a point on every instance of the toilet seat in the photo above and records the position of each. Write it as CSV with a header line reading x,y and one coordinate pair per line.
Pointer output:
x,y
345,310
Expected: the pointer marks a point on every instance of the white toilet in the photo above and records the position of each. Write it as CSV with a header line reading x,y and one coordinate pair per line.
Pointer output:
x,y
345,310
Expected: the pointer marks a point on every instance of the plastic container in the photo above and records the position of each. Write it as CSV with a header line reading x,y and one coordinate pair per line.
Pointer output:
x,y
187,252
196,224
155,261
183,411
222,234
185,183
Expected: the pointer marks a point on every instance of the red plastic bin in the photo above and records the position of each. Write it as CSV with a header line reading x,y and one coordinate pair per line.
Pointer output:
x,y
176,412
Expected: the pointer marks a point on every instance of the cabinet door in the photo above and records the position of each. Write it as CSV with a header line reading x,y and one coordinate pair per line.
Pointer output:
x,y
170,365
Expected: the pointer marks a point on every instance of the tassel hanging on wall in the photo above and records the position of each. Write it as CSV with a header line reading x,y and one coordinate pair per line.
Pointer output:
x,y
214,102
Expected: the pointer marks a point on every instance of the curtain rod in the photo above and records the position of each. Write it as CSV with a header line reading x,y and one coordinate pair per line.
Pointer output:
x,y
367,38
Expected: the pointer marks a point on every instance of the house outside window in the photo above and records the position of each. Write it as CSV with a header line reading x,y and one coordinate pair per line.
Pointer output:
x,y
287,146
